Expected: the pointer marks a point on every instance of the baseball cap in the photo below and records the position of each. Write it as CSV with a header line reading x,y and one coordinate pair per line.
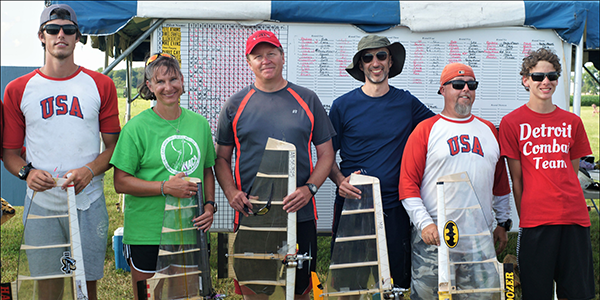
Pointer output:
x,y
261,36
47,14
373,41
454,70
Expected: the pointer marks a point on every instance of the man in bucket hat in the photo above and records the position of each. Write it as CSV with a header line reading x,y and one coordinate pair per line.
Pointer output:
x,y
373,123
454,141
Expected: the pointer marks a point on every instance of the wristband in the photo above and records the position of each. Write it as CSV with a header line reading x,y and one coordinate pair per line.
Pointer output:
x,y
213,203
93,175
162,188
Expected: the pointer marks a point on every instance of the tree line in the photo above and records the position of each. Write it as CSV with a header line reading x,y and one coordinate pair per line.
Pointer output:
x,y
119,78
589,85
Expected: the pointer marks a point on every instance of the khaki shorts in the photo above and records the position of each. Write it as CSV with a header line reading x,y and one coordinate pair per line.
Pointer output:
x,y
93,228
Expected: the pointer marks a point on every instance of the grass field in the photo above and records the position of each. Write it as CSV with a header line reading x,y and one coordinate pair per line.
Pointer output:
x,y
116,283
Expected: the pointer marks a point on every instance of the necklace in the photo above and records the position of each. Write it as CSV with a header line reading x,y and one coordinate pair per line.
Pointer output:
x,y
178,120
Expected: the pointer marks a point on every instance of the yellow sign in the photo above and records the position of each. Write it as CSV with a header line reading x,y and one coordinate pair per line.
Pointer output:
x,y
171,41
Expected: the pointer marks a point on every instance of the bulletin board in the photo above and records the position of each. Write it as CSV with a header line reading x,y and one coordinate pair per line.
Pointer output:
x,y
316,55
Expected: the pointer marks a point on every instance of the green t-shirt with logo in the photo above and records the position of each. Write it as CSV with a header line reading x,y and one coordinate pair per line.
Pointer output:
x,y
150,149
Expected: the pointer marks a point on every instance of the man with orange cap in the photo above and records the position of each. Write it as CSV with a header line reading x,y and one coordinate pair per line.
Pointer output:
x,y
451,142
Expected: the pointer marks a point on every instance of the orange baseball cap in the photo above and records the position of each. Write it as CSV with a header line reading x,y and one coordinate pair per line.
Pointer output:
x,y
454,70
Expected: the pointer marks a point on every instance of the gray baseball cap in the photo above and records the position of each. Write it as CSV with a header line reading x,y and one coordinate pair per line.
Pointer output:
x,y
373,41
47,14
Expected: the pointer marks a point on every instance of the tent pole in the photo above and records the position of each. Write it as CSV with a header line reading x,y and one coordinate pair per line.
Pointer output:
x,y
133,46
578,76
128,87
567,66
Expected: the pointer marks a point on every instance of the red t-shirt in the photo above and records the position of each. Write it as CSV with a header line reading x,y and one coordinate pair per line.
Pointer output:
x,y
545,144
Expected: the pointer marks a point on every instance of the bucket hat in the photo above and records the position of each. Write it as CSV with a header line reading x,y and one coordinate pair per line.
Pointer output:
x,y
373,41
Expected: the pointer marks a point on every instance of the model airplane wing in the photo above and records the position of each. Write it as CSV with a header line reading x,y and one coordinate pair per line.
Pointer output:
x,y
268,236
468,266
51,254
183,267
359,260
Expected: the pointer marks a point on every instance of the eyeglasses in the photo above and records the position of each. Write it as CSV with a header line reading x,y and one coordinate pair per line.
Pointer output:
x,y
540,76
154,57
54,29
368,57
265,209
460,84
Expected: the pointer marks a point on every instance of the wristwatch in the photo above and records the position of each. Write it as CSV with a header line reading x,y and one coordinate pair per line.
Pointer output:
x,y
214,204
312,188
506,224
25,171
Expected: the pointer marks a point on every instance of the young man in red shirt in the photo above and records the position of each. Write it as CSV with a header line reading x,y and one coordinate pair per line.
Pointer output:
x,y
543,145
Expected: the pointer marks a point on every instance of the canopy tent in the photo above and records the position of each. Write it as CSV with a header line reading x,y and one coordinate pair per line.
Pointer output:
x,y
571,20
121,28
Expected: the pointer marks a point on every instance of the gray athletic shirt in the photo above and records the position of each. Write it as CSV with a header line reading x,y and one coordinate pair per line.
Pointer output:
x,y
293,114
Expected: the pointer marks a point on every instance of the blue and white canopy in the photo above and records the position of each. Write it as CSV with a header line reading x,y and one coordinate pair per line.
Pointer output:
x,y
570,19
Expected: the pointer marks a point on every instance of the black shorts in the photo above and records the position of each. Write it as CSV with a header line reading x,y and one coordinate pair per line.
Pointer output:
x,y
141,257
561,253
397,231
307,243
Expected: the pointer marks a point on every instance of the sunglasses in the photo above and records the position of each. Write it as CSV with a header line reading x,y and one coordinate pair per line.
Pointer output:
x,y
154,57
54,29
460,84
368,57
265,209
540,76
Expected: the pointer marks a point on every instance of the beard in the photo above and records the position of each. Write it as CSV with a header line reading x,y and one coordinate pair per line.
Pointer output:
x,y
382,79
60,56
463,109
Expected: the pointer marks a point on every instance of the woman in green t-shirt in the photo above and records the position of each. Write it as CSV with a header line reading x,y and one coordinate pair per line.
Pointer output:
x,y
155,150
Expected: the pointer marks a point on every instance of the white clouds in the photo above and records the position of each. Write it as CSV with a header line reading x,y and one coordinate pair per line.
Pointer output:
x,y
20,22
5,25
20,45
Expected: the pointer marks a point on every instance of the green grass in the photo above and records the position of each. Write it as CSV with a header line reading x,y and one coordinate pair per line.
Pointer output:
x,y
595,236
137,106
592,126
116,284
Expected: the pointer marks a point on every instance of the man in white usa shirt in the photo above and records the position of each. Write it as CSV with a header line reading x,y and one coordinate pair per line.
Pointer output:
x,y
60,111
451,142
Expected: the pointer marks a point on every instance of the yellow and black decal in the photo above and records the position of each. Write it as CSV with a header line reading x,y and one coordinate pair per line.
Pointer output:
x,y
509,281
451,234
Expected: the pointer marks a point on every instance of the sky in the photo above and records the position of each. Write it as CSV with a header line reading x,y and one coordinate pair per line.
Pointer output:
x,y
20,21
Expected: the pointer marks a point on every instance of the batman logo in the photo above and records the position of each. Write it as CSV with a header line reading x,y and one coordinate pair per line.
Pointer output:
x,y
451,234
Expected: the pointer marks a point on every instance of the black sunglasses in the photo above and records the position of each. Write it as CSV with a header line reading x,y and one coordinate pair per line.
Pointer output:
x,y
54,29
265,209
368,57
540,76
460,84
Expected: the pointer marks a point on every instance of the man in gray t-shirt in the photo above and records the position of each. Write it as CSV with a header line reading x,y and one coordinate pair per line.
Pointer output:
x,y
274,107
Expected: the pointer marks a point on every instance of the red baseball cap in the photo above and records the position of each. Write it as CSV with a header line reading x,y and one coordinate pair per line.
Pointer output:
x,y
261,36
